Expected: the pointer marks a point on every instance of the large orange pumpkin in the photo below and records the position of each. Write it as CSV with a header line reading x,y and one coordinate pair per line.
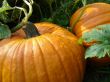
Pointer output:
x,y
92,15
54,56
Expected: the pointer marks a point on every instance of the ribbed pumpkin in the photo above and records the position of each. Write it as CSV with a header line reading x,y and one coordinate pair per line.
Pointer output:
x,y
93,15
54,56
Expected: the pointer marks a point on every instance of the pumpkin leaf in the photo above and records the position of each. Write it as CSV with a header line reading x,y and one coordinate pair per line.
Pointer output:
x,y
101,35
98,50
4,17
3,11
5,6
4,31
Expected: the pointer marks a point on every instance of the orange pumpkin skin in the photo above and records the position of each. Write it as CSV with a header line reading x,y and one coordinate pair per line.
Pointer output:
x,y
94,14
50,57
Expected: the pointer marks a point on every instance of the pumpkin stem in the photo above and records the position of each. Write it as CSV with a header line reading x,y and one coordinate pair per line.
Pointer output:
x,y
30,30
27,14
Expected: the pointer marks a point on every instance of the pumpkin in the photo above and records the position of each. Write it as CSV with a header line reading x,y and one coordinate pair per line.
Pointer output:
x,y
92,15
50,57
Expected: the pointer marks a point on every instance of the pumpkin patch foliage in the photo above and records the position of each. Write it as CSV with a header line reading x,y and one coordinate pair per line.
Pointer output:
x,y
101,35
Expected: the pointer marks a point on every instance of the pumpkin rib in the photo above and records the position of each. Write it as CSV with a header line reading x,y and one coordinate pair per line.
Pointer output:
x,y
24,63
2,63
60,55
19,60
29,66
43,60
8,66
6,63
79,69
12,54
15,61
40,68
34,58
66,74
49,69
96,6
79,63
89,17
77,59
90,23
106,12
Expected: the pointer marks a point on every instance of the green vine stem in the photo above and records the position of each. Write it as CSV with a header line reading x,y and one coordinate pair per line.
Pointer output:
x,y
27,14
84,2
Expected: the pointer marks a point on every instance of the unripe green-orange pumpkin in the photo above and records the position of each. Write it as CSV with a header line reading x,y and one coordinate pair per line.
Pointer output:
x,y
93,15
54,56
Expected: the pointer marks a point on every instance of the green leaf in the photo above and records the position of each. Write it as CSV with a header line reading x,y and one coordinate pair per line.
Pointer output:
x,y
5,6
101,48
4,31
98,50
4,17
100,33
3,11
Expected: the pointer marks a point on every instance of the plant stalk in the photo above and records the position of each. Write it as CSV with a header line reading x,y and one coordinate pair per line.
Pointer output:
x,y
27,15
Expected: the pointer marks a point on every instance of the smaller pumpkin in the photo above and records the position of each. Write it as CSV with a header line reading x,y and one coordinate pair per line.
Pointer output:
x,y
92,15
